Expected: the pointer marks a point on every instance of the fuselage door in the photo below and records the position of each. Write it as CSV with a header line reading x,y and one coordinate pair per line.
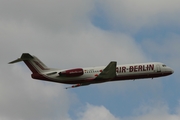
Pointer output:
x,y
158,68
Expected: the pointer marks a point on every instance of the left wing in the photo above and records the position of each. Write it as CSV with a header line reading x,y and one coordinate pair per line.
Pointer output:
x,y
107,74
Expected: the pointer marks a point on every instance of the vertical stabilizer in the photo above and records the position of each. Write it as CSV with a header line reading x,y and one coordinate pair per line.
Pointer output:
x,y
33,63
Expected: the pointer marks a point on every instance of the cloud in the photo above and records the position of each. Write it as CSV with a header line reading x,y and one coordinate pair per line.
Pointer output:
x,y
131,16
92,112
154,110
61,34
79,46
158,110
50,15
27,99
31,27
62,27
166,50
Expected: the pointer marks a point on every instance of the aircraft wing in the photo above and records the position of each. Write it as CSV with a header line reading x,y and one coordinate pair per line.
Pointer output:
x,y
109,72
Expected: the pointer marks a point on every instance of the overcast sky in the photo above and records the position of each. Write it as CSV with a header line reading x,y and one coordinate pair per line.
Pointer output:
x,y
85,33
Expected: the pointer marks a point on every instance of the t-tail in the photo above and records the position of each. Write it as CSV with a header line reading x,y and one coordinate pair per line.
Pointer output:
x,y
34,64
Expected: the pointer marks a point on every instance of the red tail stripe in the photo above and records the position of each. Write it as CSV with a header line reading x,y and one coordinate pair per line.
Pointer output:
x,y
32,68
39,65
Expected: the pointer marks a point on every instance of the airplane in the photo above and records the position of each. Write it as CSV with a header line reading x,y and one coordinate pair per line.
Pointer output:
x,y
92,75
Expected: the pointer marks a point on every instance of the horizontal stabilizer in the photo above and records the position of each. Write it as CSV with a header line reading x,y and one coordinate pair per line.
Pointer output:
x,y
24,56
15,61
34,64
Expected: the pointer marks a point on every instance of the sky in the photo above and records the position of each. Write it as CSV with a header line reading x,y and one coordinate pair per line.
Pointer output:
x,y
67,34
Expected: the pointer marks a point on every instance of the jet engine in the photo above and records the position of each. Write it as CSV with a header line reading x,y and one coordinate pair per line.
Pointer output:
x,y
72,72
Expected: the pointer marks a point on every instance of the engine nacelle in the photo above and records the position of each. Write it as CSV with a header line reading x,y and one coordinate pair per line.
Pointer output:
x,y
72,72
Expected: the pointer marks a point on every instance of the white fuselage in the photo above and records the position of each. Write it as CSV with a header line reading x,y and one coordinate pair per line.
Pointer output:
x,y
92,75
123,72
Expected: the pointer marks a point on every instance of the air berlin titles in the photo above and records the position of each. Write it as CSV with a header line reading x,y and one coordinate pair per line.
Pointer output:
x,y
135,68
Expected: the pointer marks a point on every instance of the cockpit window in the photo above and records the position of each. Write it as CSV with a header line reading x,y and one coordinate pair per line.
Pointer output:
x,y
164,65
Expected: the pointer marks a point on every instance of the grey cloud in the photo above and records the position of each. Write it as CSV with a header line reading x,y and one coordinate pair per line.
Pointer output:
x,y
54,15
29,27
26,99
70,47
61,35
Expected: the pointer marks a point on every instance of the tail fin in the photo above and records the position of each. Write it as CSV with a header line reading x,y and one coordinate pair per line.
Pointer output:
x,y
34,64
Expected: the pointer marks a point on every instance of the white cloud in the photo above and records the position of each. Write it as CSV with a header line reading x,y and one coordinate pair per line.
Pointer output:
x,y
96,113
156,110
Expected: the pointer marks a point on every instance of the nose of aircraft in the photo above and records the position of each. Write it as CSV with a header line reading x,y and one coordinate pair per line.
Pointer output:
x,y
171,71
168,70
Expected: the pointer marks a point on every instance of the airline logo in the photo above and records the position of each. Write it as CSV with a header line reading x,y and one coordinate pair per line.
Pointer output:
x,y
135,68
